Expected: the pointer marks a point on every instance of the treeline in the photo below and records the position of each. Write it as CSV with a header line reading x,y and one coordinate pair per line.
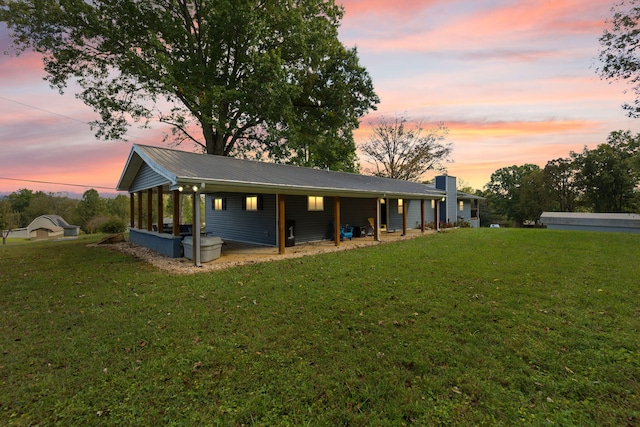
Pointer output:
x,y
604,179
92,212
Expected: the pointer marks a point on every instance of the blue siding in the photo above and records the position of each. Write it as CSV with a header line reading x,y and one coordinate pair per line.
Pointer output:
x,y
356,211
239,225
260,227
465,213
147,178
163,243
413,213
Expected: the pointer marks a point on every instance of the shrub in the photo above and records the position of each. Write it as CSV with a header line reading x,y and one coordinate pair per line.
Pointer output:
x,y
112,226
94,224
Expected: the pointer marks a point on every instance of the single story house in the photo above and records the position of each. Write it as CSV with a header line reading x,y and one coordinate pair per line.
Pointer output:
x,y
271,204
46,227
612,222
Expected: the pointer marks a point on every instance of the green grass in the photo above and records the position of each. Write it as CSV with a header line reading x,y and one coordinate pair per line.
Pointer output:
x,y
471,327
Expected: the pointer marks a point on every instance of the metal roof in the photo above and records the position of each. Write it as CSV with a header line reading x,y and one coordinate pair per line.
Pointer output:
x,y
219,173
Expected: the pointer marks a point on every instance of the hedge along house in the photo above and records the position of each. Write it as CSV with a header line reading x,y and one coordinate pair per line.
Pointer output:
x,y
265,203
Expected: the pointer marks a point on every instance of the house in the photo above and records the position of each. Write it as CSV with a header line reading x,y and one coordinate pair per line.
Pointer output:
x,y
46,227
265,203
458,205
613,222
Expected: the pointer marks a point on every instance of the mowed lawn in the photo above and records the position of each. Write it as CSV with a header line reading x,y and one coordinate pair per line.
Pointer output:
x,y
469,327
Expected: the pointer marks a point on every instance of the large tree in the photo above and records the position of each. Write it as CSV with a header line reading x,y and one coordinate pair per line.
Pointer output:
x,y
618,54
235,77
609,175
560,183
508,188
400,151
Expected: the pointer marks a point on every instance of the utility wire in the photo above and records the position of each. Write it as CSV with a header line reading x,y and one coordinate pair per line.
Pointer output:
x,y
64,117
42,109
57,183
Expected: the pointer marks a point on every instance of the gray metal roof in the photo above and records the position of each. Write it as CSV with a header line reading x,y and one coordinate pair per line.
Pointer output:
x,y
219,173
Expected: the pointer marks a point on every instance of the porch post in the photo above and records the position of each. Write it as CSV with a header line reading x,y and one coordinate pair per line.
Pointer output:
x,y
281,225
149,209
132,210
196,229
140,210
404,217
160,209
176,212
422,215
376,221
336,220
436,214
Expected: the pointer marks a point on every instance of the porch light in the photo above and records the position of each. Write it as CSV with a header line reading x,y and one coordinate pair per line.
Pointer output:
x,y
194,188
433,203
180,189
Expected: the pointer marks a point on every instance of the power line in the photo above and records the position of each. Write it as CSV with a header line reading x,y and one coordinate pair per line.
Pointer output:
x,y
66,117
42,109
57,183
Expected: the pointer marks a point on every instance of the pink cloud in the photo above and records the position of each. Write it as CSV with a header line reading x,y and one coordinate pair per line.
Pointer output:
x,y
384,7
464,27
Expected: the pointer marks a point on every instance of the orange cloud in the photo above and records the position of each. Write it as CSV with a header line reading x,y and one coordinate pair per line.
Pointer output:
x,y
502,129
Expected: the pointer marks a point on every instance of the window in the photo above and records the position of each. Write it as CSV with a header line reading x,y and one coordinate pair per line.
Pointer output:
x,y
461,205
400,205
252,203
219,204
315,203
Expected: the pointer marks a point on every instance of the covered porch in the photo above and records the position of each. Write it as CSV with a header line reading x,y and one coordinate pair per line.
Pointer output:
x,y
257,202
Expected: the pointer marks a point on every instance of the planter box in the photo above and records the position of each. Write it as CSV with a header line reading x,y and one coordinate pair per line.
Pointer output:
x,y
210,248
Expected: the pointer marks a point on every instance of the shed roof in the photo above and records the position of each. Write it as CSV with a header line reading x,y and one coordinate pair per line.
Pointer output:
x,y
174,168
49,222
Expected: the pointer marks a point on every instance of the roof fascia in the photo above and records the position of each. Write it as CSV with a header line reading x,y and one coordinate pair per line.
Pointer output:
x,y
137,164
240,186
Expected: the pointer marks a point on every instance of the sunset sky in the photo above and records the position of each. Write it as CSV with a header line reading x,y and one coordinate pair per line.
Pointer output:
x,y
514,81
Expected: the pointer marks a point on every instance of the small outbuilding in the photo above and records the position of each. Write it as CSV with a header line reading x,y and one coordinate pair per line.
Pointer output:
x,y
46,227
612,222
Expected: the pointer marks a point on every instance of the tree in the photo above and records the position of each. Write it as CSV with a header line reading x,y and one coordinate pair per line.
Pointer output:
x,y
90,206
253,78
401,152
608,175
119,207
533,197
618,50
560,182
504,191
8,219
20,201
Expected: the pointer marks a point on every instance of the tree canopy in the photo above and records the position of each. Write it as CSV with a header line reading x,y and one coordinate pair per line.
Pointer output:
x,y
603,179
251,78
609,174
400,151
618,53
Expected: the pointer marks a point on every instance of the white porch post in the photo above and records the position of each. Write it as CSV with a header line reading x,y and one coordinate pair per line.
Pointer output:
x,y
196,227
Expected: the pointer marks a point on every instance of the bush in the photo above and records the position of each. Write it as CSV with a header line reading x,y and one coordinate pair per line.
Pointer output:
x,y
112,226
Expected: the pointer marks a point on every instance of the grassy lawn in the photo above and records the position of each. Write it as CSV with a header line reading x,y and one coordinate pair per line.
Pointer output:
x,y
470,327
